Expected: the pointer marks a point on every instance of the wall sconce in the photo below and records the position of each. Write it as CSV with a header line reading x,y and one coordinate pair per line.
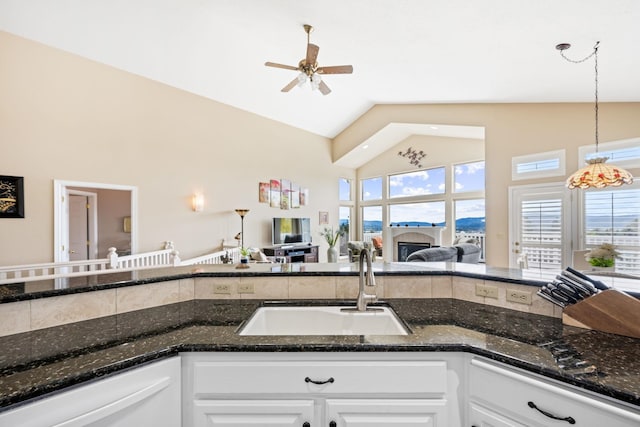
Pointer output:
x,y
197,202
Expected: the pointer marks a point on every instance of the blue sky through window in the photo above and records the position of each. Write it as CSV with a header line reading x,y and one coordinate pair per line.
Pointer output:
x,y
469,177
429,181
372,189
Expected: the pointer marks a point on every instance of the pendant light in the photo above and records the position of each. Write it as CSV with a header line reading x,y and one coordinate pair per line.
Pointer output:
x,y
597,173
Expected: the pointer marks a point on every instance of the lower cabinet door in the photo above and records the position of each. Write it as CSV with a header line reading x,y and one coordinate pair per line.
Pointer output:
x,y
249,413
386,413
480,416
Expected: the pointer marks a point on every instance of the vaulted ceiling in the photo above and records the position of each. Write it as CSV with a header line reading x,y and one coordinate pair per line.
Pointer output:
x,y
402,51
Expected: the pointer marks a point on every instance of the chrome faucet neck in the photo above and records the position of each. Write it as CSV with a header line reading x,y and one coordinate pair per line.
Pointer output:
x,y
365,279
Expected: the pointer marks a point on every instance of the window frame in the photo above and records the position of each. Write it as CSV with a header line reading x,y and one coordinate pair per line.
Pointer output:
x,y
560,155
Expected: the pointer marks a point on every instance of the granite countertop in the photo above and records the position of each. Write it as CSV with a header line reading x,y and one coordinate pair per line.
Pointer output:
x,y
113,278
35,363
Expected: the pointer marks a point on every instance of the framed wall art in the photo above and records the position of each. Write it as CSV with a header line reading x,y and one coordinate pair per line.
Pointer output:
x,y
11,196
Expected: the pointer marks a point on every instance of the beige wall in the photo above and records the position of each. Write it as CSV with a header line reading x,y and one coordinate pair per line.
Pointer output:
x,y
510,130
65,117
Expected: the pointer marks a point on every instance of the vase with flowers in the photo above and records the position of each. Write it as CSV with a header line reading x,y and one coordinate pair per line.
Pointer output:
x,y
602,257
332,237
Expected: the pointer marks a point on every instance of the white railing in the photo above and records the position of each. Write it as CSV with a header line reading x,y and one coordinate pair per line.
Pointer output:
x,y
54,270
225,256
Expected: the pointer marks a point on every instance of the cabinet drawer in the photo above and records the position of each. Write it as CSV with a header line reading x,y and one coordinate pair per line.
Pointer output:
x,y
510,393
334,377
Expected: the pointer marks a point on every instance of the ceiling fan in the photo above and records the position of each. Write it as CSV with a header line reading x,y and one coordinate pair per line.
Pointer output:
x,y
309,69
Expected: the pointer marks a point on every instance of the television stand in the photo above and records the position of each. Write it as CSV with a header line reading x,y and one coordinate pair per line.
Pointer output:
x,y
293,253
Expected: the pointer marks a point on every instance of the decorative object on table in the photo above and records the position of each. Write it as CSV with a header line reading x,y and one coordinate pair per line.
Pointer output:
x,y
604,256
309,69
264,188
245,254
597,173
413,156
323,218
332,237
242,213
11,196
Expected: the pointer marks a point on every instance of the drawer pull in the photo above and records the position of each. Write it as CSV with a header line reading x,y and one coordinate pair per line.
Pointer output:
x,y
570,420
309,380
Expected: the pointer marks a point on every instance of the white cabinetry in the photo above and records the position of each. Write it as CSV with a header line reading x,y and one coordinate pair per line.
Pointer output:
x,y
321,389
501,397
149,395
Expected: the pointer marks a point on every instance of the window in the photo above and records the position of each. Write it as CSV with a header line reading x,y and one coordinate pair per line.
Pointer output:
x,y
345,189
541,232
470,216
428,181
371,222
417,214
625,153
613,216
372,189
468,177
344,222
540,165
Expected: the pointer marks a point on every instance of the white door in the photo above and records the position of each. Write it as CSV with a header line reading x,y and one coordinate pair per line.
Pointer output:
x,y
540,226
386,413
254,413
82,225
78,227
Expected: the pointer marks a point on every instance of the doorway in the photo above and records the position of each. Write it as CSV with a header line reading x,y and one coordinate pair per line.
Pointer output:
x,y
83,225
72,221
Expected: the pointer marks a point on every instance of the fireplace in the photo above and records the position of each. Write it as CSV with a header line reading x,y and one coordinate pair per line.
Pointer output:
x,y
391,236
407,248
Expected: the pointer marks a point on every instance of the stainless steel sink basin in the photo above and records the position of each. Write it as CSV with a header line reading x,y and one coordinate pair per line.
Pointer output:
x,y
323,320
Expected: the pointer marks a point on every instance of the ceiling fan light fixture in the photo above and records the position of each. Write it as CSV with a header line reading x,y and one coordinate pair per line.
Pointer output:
x,y
315,81
302,79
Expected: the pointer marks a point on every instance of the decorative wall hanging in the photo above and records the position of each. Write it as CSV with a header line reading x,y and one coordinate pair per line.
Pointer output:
x,y
11,196
264,188
275,193
413,156
283,194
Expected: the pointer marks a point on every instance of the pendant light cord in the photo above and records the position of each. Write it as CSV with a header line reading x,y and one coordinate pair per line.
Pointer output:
x,y
594,53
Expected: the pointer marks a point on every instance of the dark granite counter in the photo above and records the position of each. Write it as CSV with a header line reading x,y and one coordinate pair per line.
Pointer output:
x,y
36,363
48,288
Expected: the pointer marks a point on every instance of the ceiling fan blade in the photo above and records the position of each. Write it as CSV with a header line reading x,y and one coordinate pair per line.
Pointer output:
x,y
290,86
324,89
336,69
286,67
312,54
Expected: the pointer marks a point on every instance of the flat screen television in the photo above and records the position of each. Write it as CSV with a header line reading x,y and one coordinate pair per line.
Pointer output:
x,y
291,231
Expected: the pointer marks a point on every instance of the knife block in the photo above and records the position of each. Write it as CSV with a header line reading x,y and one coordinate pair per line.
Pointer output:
x,y
609,311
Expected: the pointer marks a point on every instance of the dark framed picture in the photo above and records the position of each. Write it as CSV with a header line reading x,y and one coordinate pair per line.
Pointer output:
x,y
11,196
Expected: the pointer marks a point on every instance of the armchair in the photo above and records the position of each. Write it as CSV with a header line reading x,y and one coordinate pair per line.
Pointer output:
x,y
355,247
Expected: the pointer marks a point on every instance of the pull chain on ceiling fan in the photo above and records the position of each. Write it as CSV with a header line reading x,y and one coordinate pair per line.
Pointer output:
x,y
309,70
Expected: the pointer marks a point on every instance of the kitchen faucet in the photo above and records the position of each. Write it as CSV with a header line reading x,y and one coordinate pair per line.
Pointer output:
x,y
368,280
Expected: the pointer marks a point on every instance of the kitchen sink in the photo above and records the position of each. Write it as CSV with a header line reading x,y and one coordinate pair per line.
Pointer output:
x,y
323,320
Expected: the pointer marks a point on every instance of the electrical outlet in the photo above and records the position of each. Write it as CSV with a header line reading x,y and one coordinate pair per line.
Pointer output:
x,y
222,289
521,297
245,288
487,291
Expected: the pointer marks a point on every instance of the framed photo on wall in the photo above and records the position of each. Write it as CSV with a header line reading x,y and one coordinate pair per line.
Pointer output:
x,y
323,218
11,196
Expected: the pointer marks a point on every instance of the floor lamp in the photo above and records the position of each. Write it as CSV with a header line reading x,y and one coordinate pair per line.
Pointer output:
x,y
242,213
